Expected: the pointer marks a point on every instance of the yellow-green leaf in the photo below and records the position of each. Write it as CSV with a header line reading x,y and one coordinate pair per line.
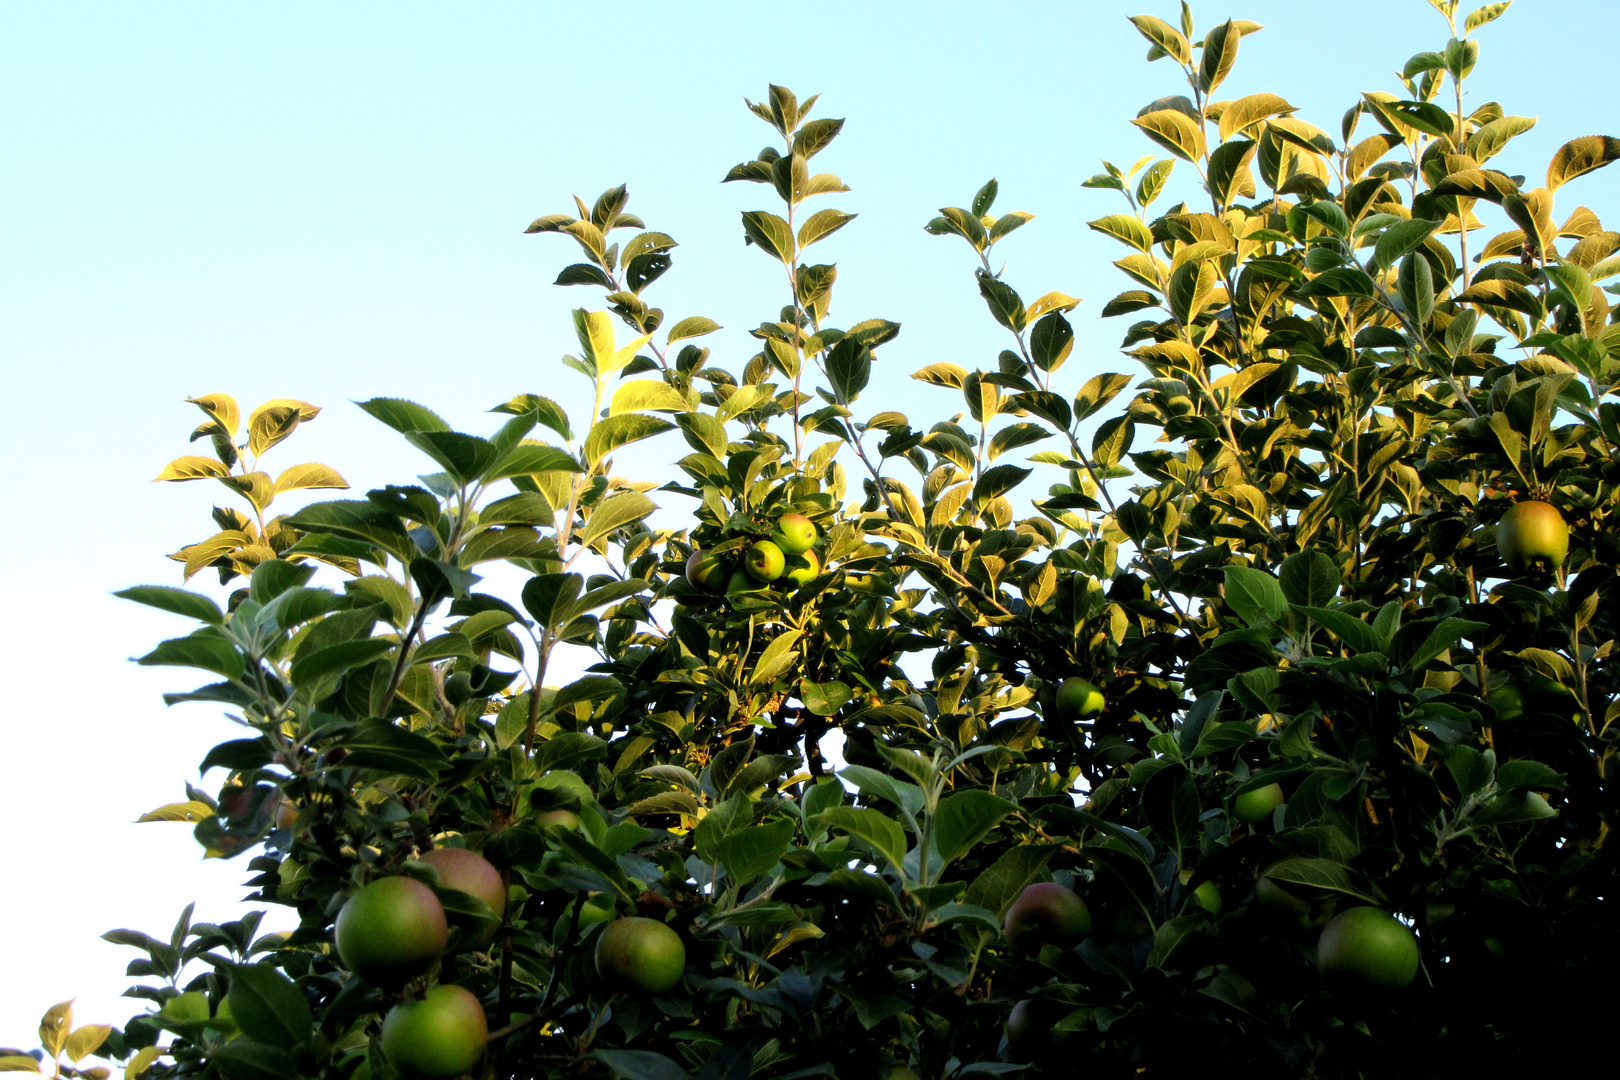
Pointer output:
x,y
311,474
1125,228
192,811
1580,156
943,373
647,395
1052,301
192,467
221,408
86,1041
142,1061
54,1027
1246,111
1166,38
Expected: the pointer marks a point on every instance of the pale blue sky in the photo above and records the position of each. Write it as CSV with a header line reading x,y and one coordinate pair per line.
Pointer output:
x,y
326,201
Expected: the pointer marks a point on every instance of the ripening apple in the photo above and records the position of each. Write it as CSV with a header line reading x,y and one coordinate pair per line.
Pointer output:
x,y
707,571
1253,807
469,872
794,533
1046,913
1530,534
801,569
1280,899
1208,897
437,1038
1080,699
640,954
391,930
765,561
1368,946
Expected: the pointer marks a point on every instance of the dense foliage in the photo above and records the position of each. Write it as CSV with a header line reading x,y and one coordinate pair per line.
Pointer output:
x,y
1350,380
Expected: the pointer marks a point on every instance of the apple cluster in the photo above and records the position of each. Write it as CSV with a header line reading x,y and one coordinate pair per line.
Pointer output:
x,y
787,557
394,930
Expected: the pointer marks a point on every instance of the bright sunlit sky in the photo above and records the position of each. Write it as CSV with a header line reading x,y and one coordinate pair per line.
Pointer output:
x,y
326,201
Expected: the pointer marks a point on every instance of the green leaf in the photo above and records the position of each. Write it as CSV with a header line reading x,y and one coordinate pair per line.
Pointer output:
x,y
608,435
1098,391
1112,440
310,670
1514,808
359,520
1171,935
1051,341
849,367
617,512
1315,874
1442,637
245,1060
543,409
529,459
1005,305
776,658
907,796
1524,773
176,601
268,1007
822,224
381,745
1309,577
752,851
404,416
773,235
963,819
205,649
1254,595
1417,288
442,647
1399,239
641,1065
1220,53
871,826
464,457
996,481
824,698
999,884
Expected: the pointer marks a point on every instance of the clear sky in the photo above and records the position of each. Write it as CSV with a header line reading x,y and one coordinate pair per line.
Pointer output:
x,y
326,201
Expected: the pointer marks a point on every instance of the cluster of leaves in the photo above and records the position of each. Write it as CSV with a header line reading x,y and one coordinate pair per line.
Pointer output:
x,y
1299,586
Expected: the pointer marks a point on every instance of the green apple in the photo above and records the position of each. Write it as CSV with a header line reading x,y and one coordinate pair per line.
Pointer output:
x,y
794,533
1253,807
802,568
743,585
1508,701
1079,699
1046,913
707,571
1370,947
391,931
1532,533
437,1038
765,561
640,954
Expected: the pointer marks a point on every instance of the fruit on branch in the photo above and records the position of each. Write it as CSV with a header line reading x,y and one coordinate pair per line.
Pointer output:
x,y
707,571
391,930
471,873
1046,913
1310,911
743,585
1253,807
802,569
1370,947
794,534
1530,534
765,561
437,1038
640,954
1079,699
563,819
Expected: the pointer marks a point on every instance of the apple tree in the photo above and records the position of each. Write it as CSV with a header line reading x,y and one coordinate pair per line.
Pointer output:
x,y
1333,772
